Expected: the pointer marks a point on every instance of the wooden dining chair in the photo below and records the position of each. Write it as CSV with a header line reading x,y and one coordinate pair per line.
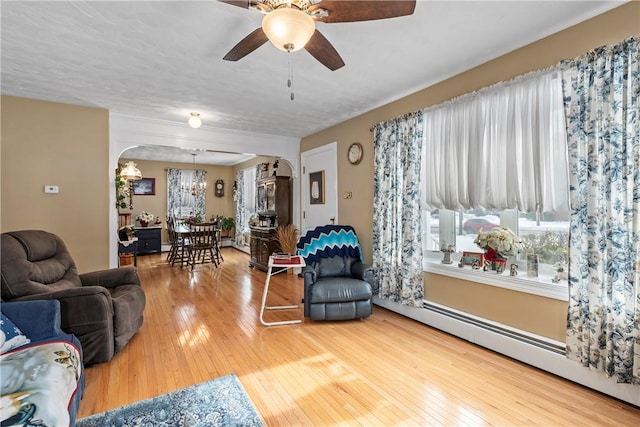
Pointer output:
x,y
202,245
180,242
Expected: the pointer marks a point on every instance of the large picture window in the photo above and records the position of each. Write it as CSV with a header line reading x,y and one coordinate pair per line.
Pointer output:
x,y
185,194
498,157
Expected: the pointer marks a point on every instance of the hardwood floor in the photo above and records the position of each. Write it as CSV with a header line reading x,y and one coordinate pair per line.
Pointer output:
x,y
384,370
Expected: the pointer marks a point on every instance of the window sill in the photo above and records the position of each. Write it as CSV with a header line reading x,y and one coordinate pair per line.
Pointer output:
x,y
541,285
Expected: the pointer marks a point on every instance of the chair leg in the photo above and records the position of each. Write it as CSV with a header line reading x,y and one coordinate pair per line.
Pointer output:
x,y
172,254
193,257
185,259
214,261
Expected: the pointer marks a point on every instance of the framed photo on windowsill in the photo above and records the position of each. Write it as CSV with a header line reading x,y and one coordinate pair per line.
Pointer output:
x,y
144,187
472,258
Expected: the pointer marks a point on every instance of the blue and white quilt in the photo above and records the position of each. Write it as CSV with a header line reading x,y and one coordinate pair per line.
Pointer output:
x,y
328,241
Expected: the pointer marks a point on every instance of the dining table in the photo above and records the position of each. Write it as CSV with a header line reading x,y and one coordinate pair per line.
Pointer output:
x,y
183,233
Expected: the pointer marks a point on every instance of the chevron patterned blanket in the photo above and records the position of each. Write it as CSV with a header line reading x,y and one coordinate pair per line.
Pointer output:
x,y
328,241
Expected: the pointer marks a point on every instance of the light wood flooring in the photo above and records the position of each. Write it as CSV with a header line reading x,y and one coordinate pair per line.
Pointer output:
x,y
385,370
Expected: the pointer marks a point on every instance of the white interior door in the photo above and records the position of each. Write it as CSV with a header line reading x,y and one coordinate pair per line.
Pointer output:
x,y
319,186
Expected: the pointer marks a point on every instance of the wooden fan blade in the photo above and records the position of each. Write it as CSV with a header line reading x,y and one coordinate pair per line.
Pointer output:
x,y
320,48
247,45
363,10
240,3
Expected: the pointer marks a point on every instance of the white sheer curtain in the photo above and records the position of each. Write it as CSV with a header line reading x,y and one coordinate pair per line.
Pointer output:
x,y
187,200
503,147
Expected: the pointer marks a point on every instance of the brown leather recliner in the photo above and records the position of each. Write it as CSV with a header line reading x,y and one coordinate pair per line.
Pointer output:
x,y
103,309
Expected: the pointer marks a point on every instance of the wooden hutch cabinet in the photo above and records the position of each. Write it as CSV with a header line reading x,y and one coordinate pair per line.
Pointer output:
x,y
263,244
273,204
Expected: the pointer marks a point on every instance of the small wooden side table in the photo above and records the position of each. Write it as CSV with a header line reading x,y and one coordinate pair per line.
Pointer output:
x,y
128,252
283,264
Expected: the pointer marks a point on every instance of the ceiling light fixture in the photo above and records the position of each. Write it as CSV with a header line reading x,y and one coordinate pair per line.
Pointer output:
x,y
194,120
288,28
130,172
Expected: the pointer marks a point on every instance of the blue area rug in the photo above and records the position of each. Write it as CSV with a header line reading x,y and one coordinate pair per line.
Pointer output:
x,y
219,402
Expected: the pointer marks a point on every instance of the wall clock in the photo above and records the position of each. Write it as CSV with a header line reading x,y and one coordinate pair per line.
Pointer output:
x,y
355,153
219,188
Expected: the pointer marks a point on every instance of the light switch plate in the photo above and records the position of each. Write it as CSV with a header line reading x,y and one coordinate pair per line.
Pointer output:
x,y
51,189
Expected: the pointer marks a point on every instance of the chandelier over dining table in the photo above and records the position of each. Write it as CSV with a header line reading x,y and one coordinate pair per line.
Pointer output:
x,y
196,187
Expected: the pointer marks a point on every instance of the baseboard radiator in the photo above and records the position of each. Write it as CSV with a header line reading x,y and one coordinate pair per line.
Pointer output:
x,y
496,328
540,352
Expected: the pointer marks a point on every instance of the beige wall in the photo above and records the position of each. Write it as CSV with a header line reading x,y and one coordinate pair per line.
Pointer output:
x,y
157,204
64,145
549,315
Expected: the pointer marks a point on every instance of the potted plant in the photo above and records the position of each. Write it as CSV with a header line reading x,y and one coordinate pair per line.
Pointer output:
x,y
145,218
194,219
227,224
123,192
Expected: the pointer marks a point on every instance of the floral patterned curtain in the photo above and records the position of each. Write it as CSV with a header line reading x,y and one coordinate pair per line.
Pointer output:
x,y
602,107
173,193
238,197
397,243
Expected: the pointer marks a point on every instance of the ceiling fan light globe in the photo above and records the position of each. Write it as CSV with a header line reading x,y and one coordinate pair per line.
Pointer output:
x,y
288,29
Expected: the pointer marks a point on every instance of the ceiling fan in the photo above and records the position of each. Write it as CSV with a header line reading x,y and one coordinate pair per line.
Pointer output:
x,y
290,25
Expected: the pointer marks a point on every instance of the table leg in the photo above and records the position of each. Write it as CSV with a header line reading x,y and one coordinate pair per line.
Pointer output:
x,y
263,306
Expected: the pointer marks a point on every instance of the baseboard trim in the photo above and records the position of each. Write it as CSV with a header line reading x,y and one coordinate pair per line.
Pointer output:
x,y
534,350
242,248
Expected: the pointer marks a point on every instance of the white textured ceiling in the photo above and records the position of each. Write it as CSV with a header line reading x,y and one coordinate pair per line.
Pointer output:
x,y
182,155
163,59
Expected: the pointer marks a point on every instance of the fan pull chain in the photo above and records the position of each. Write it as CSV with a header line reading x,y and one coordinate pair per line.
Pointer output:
x,y
290,80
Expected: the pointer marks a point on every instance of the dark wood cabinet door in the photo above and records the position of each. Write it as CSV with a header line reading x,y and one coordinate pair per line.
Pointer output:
x,y
149,240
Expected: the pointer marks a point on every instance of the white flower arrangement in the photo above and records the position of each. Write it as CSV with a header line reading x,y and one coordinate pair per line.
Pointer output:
x,y
501,239
146,216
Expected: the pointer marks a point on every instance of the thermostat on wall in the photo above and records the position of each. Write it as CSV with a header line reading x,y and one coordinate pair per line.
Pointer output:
x,y
51,189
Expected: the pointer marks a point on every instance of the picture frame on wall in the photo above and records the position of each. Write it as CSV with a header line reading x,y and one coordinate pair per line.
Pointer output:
x,y
316,188
144,187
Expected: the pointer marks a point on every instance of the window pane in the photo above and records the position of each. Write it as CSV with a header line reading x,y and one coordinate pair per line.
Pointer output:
x,y
469,223
187,200
431,231
548,238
